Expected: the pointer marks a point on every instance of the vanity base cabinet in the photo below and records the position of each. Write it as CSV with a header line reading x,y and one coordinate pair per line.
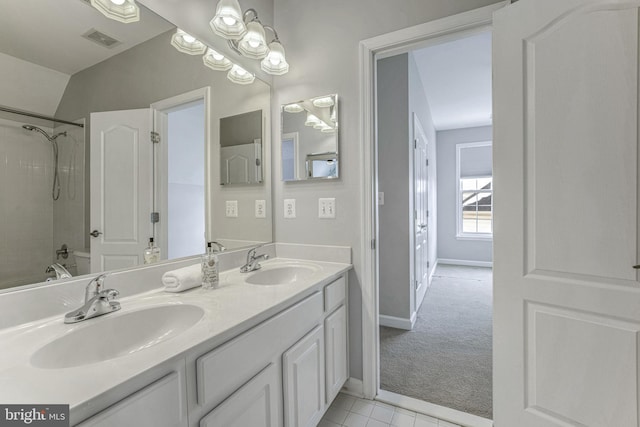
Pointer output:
x,y
255,404
160,404
335,333
303,381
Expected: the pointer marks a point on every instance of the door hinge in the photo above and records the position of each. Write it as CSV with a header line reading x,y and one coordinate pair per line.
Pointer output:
x,y
155,217
155,137
415,214
415,283
415,143
427,161
428,264
373,244
427,214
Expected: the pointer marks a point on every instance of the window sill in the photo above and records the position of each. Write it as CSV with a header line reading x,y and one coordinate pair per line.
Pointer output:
x,y
482,237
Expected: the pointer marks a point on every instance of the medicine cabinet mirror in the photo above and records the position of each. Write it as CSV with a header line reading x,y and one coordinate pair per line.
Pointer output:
x,y
309,139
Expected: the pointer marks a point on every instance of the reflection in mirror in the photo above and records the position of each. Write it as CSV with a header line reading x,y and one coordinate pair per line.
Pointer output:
x,y
92,67
309,139
241,149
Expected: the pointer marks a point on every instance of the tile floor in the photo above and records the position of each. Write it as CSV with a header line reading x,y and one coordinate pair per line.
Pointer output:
x,y
349,411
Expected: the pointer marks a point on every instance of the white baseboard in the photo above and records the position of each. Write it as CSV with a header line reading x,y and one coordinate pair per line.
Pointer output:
x,y
354,387
465,262
433,270
397,322
432,410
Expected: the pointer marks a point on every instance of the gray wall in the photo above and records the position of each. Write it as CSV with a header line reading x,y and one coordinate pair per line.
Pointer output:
x,y
400,96
450,247
322,48
394,180
155,70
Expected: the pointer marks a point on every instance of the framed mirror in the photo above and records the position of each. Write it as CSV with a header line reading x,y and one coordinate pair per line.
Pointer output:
x,y
309,139
90,70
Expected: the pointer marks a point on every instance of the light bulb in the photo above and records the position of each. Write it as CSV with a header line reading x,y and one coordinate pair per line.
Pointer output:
x,y
241,71
274,59
254,43
187,38
217,56
118,2
228,20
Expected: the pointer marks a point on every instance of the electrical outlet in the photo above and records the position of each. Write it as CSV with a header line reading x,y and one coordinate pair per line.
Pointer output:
x,y
231,209
261,209
327,208
289,208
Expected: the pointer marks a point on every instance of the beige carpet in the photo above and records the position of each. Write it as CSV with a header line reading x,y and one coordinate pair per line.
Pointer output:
x,y
446,358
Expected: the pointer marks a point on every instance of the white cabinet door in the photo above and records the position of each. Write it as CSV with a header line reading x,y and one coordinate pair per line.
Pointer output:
x,y
255,404
566,300
161,404
121,188
335,338
303,370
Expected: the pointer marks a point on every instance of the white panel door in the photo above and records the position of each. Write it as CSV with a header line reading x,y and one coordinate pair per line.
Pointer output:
x,y
420,200
566,294
121,188
303,381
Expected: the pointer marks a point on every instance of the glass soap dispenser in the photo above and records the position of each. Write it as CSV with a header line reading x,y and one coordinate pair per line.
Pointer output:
x,y
210,268
151,253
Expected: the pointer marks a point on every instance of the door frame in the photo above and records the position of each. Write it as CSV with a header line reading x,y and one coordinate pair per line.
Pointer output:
x,y
370,50
420,291
159,123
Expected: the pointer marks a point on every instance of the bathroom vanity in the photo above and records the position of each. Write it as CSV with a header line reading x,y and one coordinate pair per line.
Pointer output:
x,y
268,348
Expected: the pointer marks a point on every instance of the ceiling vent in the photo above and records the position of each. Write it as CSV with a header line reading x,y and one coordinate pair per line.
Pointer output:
x,y
101,38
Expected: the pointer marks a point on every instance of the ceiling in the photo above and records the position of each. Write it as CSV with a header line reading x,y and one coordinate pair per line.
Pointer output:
x,y
456,77
49,33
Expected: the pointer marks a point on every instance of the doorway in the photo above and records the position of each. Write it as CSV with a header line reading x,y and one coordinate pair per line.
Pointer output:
x,y
400,42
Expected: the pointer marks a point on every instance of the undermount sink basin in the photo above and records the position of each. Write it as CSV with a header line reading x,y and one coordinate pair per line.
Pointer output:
x,y
280,275
115,335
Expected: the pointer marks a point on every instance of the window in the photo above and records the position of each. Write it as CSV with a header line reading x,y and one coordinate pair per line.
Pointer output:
x,y
475,191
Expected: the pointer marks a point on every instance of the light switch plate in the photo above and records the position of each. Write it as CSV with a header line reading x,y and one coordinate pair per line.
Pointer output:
x,y
289,208
231,209
327,208
261,209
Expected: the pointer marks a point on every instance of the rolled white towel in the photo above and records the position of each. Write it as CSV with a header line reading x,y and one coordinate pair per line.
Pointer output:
x,y
182,279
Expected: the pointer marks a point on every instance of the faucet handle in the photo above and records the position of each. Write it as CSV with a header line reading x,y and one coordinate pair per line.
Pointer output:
x,y
109,294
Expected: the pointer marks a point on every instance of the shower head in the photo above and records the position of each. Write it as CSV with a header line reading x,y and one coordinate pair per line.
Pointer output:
x,y
46,135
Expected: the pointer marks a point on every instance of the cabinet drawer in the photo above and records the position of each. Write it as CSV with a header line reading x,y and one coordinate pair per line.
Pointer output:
x,y
222,371
334,294
161,404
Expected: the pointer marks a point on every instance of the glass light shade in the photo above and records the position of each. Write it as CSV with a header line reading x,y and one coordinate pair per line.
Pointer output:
x,y
293,108
228,22
333,117
253,44
187,44
328,129
275,62
325,101
320,125
239,75
311,120
126,11
216,61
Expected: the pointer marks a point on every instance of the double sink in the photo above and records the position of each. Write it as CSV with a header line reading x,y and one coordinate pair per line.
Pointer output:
x,y
132,330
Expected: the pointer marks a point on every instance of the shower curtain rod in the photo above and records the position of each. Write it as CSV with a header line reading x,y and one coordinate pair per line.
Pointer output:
x,y
39,116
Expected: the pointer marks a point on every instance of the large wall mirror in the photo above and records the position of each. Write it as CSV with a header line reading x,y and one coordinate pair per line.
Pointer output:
x,y
108,84
309,139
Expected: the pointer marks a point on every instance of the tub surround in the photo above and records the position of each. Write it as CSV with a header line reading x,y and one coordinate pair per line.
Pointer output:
x,y
228,311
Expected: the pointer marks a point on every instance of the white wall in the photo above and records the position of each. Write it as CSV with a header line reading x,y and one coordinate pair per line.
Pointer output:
x,y
322,47
450,247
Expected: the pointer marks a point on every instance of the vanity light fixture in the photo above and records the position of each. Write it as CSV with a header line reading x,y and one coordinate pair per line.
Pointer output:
x,y
312,120
186,43
324,102
246,36
216,61
228,22
239,75
125,11
293,108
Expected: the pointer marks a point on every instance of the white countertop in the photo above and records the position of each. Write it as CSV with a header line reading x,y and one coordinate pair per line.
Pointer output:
x,y
228,311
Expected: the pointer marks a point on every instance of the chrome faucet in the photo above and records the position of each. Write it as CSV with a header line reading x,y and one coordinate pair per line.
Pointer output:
x,y
221,247
96,302
61,272
252,260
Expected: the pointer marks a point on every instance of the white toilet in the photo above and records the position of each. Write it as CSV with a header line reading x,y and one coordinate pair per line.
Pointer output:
x,y
83,262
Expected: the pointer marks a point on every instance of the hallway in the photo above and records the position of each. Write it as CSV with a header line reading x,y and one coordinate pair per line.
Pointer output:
x,y
446,359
